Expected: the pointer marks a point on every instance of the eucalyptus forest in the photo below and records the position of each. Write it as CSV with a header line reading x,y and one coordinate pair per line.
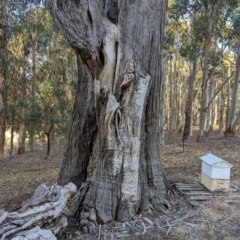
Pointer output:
x,y
115,100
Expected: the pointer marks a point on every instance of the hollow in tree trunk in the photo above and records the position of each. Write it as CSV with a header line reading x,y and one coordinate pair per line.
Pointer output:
x,y
113,148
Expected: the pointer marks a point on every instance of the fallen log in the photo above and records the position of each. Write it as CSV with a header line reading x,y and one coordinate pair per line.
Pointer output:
x,y
35,233
49,207
208,198
189,193
191,189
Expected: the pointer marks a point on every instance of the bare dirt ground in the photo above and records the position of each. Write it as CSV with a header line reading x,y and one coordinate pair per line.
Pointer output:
x,y
20,175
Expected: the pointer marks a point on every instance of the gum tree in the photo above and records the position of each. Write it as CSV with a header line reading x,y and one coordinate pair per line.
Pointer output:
x,y
113,148
3,63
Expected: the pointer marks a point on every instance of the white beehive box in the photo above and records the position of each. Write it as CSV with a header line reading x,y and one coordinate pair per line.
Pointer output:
x,y
215,173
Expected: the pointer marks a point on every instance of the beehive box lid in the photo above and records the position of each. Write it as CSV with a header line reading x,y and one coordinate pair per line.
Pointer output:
x,y
213,160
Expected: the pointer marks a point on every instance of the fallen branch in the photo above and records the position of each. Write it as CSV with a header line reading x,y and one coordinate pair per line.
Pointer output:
x,y
144,228
99,232
48,206
169,229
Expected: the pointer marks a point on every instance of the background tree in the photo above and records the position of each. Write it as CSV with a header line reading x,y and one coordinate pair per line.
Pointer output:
x,y
234,115
34,56
3,69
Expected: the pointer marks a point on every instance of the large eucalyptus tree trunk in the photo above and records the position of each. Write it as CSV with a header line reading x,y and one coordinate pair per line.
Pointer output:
x,y
113,148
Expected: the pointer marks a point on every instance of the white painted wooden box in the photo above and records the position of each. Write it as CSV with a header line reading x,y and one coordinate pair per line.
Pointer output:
x,y
215,173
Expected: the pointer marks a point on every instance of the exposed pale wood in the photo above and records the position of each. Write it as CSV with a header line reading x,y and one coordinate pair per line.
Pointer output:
x,y
48,207
35,233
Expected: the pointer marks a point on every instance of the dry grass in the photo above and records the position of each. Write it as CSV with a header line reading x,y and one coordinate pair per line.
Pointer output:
x,y
20,175
217,220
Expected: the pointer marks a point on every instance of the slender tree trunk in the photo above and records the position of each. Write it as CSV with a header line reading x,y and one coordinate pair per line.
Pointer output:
x,y
22,126
48,134
189,102
205,75
11,140
215,110
113,146
187,131
191,123
21,137
3,67
167,105
34,80
174,94
209,113
221,118
228,98
171,104
31,136
162,98
233,116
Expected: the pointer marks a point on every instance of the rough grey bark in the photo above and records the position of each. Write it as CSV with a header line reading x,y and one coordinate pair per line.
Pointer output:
x,y
113,147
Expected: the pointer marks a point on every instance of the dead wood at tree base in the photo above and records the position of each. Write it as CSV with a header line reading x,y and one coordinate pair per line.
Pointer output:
x,y
49,207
